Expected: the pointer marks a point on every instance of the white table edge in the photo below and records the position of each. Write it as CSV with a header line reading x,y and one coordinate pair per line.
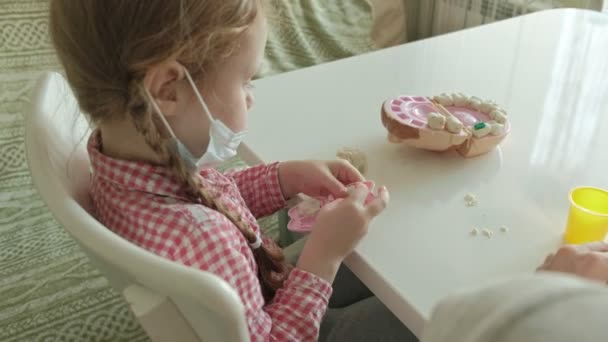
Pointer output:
x,y
387,293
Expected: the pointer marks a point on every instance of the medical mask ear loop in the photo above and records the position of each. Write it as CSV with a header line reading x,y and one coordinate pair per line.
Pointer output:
x,y
199,96
160,113
212,121
182,150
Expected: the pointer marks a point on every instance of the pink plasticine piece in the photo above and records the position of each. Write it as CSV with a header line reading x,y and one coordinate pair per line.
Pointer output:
x,y
300,222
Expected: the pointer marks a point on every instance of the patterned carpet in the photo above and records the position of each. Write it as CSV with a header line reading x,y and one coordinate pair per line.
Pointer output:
x,y
48,289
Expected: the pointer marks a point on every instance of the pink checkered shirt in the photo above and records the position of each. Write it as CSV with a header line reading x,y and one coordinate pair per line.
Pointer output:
x,y
144,204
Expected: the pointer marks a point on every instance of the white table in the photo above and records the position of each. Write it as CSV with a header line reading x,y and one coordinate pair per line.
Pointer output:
x,y
549,70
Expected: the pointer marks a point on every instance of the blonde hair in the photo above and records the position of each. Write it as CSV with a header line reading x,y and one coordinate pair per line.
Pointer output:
x,y
106,48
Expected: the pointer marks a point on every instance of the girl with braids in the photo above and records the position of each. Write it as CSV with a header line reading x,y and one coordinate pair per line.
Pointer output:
x,y
167,85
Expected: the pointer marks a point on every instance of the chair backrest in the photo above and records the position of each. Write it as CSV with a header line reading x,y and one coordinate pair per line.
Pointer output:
x,y
56,134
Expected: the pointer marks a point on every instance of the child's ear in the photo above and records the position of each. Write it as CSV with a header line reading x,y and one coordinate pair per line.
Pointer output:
x,y
162,82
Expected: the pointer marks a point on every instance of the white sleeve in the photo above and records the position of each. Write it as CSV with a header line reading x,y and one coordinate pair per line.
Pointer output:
x,y
532,308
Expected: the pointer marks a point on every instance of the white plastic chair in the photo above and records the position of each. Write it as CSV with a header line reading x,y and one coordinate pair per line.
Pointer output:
x,y
171,301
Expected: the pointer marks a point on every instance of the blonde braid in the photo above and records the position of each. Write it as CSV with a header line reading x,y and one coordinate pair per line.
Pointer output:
x,y
272,267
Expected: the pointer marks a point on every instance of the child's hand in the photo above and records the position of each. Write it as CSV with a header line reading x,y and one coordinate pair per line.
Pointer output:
x,y
317,178
338,229
588,260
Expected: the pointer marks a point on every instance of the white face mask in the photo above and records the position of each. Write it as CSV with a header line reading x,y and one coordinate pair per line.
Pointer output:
x,y
223,142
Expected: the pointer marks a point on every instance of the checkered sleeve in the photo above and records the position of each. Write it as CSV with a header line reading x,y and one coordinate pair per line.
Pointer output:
x,y
299,306
212,243
260,188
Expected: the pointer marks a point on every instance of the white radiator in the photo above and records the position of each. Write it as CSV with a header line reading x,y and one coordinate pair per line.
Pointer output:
x,y
432,17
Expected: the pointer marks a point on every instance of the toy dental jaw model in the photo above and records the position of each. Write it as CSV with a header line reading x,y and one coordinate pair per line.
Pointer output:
x,y
470,125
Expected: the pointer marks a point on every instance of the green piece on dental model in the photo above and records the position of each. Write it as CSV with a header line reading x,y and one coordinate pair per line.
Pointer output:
x,y
479,126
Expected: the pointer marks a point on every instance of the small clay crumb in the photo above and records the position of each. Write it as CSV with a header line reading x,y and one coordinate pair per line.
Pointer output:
x,y
470,200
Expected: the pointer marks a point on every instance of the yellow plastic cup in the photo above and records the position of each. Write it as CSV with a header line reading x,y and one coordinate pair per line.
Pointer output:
x,y
588,216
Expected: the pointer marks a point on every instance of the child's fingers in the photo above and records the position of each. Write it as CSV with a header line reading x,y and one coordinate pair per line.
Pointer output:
x,y
331,205
547,261
346,173
357,193
598,246
335,187
378,205
352,175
